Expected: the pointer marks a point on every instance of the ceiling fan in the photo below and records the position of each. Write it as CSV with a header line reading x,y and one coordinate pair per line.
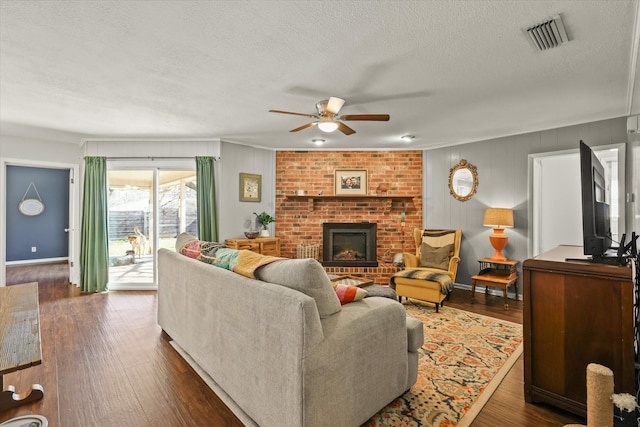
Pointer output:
x,y
328,119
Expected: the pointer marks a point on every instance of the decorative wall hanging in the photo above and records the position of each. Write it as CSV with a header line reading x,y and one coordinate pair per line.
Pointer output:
x,y
250,187
463,181
31,207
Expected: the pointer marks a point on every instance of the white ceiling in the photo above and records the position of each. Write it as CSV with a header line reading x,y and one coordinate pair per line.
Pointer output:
x,y
448,72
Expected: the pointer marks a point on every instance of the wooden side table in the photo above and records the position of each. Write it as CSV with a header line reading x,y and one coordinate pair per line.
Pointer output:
x,y
496,273
261,245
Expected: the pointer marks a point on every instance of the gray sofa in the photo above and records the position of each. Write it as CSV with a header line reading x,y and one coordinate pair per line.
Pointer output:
x,y
282,351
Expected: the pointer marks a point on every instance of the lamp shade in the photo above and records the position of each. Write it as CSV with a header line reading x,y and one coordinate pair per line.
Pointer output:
x,y
498,218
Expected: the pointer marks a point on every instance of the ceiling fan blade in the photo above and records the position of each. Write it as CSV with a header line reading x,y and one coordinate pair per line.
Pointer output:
x,y
303,127
345,129
334,105
313,116
369,117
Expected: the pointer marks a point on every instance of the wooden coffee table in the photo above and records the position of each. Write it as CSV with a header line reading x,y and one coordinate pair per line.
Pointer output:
x,y
19,340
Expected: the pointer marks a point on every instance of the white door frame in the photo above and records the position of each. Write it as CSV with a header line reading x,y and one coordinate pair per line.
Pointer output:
x,y
74,213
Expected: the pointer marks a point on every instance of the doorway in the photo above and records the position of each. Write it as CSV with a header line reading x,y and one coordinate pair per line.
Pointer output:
x,y
65,227
556,208
148,208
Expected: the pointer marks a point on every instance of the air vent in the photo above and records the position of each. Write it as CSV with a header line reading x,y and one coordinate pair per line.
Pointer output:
x,y
548,34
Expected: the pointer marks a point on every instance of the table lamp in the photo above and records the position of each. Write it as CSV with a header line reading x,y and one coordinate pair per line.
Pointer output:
x,y
499,219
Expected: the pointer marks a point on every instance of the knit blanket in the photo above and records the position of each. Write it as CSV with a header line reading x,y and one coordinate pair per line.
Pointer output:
x,y
446,284
239,261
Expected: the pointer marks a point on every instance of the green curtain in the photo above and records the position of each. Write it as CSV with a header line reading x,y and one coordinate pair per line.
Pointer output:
x,y
94,245
206,194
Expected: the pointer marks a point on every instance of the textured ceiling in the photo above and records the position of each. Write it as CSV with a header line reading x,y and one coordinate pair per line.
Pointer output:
x,y
447,72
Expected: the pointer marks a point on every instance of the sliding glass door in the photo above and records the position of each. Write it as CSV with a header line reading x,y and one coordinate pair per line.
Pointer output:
x,y
148,208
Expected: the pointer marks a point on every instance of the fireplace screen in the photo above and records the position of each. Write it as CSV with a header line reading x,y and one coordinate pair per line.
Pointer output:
x,y
349,245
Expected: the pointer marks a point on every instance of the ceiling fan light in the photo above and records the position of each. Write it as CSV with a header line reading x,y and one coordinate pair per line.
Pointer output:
x,y
327,126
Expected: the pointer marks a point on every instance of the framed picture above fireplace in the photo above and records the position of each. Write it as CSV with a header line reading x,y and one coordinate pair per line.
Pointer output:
x,y
350,181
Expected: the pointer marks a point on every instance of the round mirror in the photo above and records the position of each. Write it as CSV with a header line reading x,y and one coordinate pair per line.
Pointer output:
x,y
463,180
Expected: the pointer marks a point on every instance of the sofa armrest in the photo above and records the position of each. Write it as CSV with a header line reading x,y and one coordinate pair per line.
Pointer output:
x,y
363,362
415,334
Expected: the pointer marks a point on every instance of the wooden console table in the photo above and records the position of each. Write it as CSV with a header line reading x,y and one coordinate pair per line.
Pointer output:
x,y
496,273
575,313
19,340
261,245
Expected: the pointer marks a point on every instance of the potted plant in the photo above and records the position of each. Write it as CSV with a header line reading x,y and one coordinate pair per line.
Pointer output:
x,y
264,219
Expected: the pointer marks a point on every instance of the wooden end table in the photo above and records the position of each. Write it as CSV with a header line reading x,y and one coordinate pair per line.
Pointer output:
x,y
19,340
496,273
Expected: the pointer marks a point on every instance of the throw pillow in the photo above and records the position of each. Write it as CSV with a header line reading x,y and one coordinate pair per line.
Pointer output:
x,y
306,276
349,293
435,257
438,238
184,239
188,245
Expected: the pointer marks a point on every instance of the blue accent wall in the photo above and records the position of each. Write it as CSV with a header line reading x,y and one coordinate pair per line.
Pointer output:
x,y
45,231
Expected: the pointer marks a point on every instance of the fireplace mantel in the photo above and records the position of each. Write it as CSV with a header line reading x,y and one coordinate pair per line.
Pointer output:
x,y
385,199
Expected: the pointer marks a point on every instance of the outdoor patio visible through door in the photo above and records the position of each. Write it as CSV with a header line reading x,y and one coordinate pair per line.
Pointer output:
x,y
148,208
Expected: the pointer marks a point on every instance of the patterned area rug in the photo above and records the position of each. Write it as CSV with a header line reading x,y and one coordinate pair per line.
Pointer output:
x,y
464,358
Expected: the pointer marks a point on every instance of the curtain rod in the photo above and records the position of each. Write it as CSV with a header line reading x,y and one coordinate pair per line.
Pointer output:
x,y
215,158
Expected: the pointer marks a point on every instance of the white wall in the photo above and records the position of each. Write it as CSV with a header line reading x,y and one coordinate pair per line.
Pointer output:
x,y
236,217
632,195
15,147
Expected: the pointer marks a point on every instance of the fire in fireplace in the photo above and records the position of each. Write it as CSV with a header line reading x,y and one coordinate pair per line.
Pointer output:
x,y
349,244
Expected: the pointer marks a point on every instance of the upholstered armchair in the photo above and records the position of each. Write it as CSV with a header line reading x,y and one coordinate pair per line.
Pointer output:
x,y
429,274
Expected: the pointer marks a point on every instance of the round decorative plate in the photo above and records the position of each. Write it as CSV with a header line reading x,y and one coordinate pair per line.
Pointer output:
x,y
31,207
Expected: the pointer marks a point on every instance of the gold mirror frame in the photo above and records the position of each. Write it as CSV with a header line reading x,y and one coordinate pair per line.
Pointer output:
x,y
463,181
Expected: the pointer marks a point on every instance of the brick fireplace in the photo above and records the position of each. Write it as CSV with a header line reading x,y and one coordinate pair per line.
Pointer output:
x,y
299,219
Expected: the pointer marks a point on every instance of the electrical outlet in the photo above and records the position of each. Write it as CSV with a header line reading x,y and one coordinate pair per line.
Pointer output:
x,y
33,248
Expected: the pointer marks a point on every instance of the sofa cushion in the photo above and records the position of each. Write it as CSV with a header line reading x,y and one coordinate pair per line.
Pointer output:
x,y
348,293
435,257
306,276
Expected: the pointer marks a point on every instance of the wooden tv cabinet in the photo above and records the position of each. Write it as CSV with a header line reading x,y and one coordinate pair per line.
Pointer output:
x,y
575,313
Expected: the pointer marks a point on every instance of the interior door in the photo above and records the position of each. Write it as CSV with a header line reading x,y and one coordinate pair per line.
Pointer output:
x,y
73,227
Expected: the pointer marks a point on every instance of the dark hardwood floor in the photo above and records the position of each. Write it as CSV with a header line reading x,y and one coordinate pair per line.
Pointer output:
x,y
106,362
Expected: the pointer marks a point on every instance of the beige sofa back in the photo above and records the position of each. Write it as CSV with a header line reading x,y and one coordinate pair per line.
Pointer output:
x,y
218,317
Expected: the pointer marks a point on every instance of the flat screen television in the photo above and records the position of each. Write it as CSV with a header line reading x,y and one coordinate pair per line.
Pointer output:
x,y
596,231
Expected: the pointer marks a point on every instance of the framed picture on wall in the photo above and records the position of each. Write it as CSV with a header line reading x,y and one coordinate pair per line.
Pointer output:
x,y
250,187
350,181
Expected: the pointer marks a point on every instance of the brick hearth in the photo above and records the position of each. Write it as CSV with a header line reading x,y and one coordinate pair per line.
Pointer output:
x,y
299,220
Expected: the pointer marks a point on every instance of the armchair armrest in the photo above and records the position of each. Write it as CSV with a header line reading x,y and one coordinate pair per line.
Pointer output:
x,y
410,260
453,267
